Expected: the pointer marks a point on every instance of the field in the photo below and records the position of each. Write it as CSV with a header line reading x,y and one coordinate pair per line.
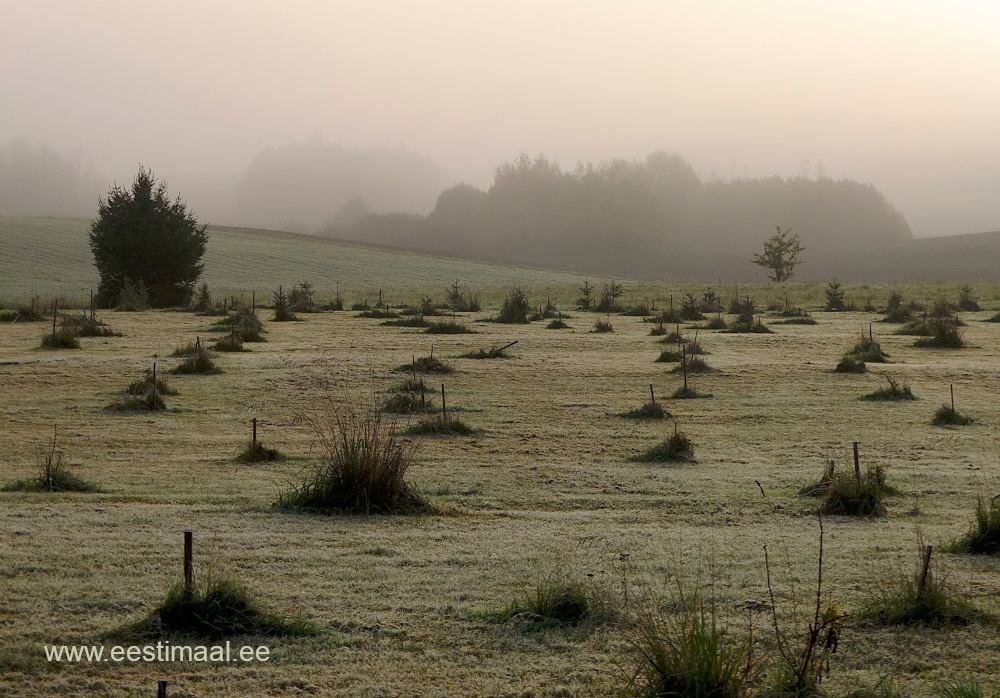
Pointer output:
x,y
548,487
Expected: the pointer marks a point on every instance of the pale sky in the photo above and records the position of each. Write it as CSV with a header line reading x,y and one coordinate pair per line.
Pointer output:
x,y
904,94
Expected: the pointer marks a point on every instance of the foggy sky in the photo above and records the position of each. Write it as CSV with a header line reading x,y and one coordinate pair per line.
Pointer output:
x,y
904,94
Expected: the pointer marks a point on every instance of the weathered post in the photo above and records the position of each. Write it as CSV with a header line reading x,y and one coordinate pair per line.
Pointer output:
x,y
188,562
857,465
161,688
254,447
923,574
444,408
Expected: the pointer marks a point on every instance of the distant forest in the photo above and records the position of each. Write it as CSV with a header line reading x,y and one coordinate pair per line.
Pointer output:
x,y
647,219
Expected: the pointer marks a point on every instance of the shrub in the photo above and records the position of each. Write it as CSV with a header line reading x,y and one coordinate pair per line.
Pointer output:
x,y
895,311
965,300
994,318
28,314
362,469
201,364
63,338
557,324
716,323
243,323
52,476
944,335
301,298
89,327
947,414
222,607
603,326
689,655
586,299
282,309
203,299
983,537
689,309
868,351
804,319
448,327
411,386
677,448
140,396
515,308
835,297
966,688
637,311
556,602
895,390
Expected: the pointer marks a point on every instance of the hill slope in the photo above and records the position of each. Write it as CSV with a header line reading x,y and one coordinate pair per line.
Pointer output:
x,y
52,256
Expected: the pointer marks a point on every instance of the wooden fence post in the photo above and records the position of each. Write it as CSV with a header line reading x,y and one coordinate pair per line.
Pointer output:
x,y
923,575
161,688
857,465
188,562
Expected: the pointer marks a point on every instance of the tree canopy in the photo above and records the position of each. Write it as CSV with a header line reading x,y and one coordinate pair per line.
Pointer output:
x,y
143,239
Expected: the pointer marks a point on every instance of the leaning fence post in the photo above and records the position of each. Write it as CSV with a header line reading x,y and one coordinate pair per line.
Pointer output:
x,y
652,397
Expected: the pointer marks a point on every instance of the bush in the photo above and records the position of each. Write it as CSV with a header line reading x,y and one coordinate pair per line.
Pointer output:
x,y
868,351
944,335
716,323
637,311
835,297
301,299
492,353
983,537
947,414
515,308
965,300
201,364
557,324
895,390
229,343
52,476
362,468
63,338
441,426
668,356
217,608
689,309
678,448
688,394
244,323
804,319
689,655
282,309
895,311
140,396
694,365
88,327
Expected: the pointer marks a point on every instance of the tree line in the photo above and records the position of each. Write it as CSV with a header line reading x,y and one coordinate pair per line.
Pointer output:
x,y
648,218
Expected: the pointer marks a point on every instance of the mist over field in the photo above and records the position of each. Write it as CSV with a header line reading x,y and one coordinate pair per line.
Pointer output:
x,y
399,124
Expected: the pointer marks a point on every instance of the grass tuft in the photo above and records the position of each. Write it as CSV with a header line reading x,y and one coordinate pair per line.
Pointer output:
x,y
668,356
448,327
256,452
695,365
415,321
557,324
983,537
52,476
426,364
903,602
947,415
493,353
850,364
895,390
557,602
648,411
437,426
63,338
407,402
678,448
683,393
222,607
602,326
362,468
845,494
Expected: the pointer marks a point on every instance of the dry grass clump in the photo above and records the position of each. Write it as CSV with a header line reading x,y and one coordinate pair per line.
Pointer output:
x,y
362,468
557,324
63,338
223,607
602,326
687,653
229,343
943,335
140,395
89,327
678,448
668,356
256,452
648,411
426,364
918,600
695,365
407,402
851,494
198,361
414,321
492,353
448,327
850,364
557,602
983,537
869,351
895,390
947,415
441,426
52,476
